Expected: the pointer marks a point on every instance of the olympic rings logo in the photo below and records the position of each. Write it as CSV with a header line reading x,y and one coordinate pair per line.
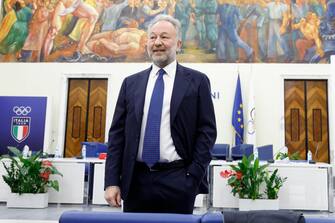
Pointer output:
x,y
21,110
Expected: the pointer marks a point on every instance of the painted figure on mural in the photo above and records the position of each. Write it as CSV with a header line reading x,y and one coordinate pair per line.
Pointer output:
x,y
123,42
258,13
182,13
38,29
229,20
247,28
131,12
198,17
14,29
309,28
327,34
77,8
151,9
300,9
211,26
111,14
318,7
277,25
80,25
286,33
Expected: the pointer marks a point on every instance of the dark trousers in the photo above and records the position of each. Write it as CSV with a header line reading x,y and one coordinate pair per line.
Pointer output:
x,y
162,191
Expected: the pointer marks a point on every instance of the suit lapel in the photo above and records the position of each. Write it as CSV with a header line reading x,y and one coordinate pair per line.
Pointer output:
x,y
181,83
141,87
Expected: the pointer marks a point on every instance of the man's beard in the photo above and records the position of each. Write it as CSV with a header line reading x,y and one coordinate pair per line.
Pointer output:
x,y
160,61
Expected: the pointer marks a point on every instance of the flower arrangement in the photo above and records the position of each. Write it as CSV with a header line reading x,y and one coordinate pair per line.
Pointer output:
x,y
28,174
248,177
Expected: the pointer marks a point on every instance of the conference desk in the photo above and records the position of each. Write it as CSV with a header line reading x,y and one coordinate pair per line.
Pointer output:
x,y
308,186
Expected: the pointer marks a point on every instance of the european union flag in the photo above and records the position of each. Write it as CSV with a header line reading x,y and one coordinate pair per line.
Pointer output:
x,y
237,119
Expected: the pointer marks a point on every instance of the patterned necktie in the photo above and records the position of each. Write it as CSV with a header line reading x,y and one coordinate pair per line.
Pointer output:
x,y
151,141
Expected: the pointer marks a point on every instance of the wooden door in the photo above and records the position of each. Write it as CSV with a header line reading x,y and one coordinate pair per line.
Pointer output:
x,y
306,118
97,111
295,125
317,120
86,113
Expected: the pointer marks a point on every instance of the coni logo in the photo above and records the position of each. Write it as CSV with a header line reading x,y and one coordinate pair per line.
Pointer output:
x,y
20,125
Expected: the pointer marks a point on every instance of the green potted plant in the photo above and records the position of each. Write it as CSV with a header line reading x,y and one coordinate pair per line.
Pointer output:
x,y
28,178
285,155
255,186
273,183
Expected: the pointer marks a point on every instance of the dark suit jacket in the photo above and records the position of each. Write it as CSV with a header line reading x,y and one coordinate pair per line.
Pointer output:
x,y
193,127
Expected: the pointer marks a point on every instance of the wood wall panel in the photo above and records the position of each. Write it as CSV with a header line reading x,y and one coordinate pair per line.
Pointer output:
x,y
97,122
295,130
76,122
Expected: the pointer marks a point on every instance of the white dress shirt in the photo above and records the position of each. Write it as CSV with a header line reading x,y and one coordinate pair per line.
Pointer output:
x,y
168,151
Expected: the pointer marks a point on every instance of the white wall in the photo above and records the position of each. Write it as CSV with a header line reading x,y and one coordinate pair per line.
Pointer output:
x,y
50,79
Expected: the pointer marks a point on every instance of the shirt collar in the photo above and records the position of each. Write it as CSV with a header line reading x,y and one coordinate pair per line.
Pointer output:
x,y
170,69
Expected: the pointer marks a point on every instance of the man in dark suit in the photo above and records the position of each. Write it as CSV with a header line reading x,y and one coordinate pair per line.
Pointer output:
x,y
162,131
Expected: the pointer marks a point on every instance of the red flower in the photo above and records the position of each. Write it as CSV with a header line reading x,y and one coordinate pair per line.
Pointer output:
x,y
239,175
226,173
46,163
45,175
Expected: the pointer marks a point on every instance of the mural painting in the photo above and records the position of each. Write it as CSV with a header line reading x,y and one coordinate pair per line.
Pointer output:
x,y
225,31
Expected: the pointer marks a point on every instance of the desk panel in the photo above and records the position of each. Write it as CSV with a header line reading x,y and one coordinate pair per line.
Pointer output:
x,y
98,184
71,185
4,188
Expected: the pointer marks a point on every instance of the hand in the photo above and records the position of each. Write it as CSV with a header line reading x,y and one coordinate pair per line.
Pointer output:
x,y
282,30
320,52
113,196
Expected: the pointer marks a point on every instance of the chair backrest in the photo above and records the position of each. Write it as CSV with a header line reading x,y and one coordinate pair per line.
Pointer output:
x,y
265,152
220,151
247,149
124,217
215,217
238,151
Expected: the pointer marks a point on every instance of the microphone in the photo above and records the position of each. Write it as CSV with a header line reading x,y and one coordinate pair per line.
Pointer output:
x,y
312,161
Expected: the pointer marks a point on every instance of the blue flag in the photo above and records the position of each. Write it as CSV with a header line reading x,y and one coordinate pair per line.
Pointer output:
x,y
237,118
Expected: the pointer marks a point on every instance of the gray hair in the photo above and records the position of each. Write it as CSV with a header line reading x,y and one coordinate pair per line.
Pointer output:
x,y
167,18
